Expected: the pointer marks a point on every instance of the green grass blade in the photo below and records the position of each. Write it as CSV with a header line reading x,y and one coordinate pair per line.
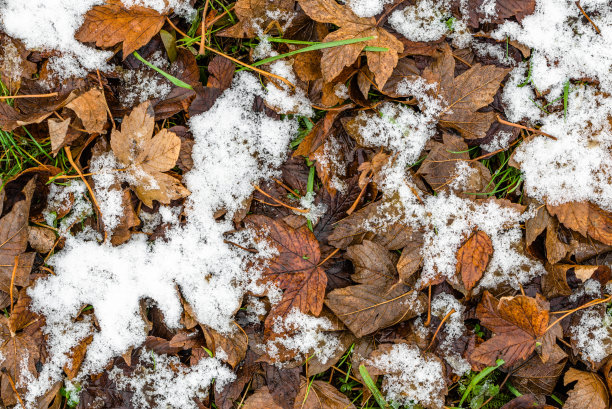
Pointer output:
x,y
169,77
483,374
314,47
372,387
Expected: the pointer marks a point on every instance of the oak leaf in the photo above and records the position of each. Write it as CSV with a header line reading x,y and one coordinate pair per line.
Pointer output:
x,y
586,218
590,391
112,23
464,95
473,258
517,323
294,268
351,26
146,158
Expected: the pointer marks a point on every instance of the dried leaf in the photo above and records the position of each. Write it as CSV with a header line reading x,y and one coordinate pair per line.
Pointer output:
x,y
14,241
255,16
41,239
590,391
365,309
585,218
517,322
504,9
473,258
351,26
112,23
538,377
465,94
261,399
295,268
146,158
91,109
234,345
320,395
77,355
221,73
58,131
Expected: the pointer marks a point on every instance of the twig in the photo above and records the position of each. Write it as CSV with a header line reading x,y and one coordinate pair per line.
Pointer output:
x,y
260,71
93,197
239,246
15,264
10,378
279,202
587,305
451,312
462,60
203,37
587,17
328,257
52,94
426,323
501,121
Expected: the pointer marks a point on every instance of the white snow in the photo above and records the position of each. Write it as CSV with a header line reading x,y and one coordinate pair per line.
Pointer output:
x,y
454,329
424,21
413,378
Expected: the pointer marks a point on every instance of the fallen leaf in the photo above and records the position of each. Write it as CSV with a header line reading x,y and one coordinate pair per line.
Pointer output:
x,y
504,9
590,391
320,395
14,64
146,158
221,73
91,109
261,399
14,241
365,309
373,264
294,268
517,323
283,384
464,95
586,218
41,239
316,365
525,402
112,23
76,357
539,377
233,345
351,26
58,130
255,16
473,258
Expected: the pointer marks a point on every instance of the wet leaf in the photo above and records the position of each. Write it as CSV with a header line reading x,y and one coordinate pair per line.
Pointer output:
x,y
111,23
473,258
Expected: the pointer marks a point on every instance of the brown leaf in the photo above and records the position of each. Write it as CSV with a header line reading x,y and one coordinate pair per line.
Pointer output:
x,y
517,322
585,218
146,158
22,344
365,308
91,109
254,16
538,377
77,355
112,23
127,220
58,131
234,345
261,399
10,118
14,241
320,395
590,391
221,73
283,384
351,26
525,402
504,9
473,258
316,366
41,239
411,259
554,282
295,268
373,264
14,64
465,94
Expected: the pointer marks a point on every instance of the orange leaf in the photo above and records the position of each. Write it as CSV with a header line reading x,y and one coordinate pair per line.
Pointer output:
x,y
473,258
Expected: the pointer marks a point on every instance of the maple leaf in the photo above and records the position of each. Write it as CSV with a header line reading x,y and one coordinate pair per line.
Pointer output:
x,y
590,391
351,26
146,158
517,323
21,347
112,23
473,258
586,218
295,268
14,241
464,95
254,17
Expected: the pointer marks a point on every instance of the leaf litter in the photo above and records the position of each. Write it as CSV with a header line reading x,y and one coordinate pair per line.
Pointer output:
x,y
402,202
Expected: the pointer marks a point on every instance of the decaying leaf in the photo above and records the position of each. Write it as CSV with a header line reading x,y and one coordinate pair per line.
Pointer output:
x,y
91,109
146,158
589,392
295,268
586,218
320,395
351,26
112,23
14,241
464,95
517,323
473,258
